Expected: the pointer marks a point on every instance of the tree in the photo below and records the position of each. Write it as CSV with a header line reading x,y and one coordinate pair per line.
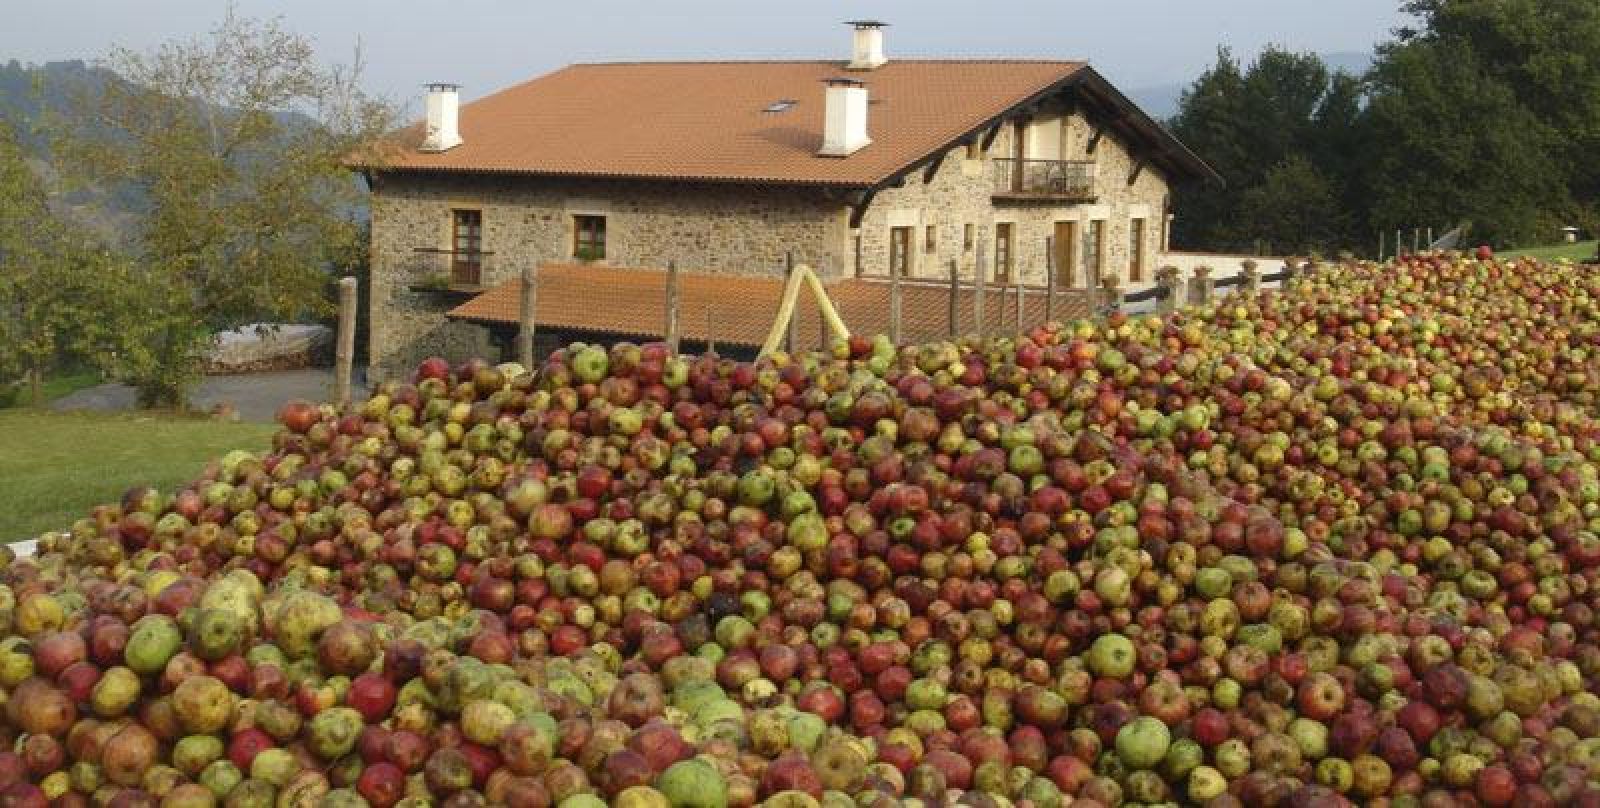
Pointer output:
x,y
1294,210
1456,144
62,297
1283,119
237,143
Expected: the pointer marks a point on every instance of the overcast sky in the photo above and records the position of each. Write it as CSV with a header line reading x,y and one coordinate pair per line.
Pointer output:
x,y
486,45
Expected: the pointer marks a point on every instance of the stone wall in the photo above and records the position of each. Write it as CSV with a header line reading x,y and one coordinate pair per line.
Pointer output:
x,y
529,221
959,194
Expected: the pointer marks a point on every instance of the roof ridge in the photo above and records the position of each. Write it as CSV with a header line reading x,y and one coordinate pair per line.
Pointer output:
x,y
1041,60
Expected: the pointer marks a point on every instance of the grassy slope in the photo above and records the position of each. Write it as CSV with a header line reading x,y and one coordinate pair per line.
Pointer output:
x,y
1579,251
54,387
55,466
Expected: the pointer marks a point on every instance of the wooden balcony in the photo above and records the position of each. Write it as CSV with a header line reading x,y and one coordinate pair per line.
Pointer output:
x,y
1048,181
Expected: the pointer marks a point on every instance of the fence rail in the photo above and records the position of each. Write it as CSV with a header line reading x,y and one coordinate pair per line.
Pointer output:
x,y
456,267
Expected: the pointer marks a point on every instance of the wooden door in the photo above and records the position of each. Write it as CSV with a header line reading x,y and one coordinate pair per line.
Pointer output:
x,y
900,251
1066,257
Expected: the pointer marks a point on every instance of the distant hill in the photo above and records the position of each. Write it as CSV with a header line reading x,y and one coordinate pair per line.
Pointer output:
x,y
1160,101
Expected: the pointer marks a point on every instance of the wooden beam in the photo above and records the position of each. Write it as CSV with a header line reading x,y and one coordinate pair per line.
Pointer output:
x,y
989,136
1138,168
933,167
858,208
1094,137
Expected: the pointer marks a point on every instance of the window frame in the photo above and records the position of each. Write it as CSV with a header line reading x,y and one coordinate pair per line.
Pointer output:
x,y
1094,251
930,238
585,234
1004,251
969,236
466,245
900,250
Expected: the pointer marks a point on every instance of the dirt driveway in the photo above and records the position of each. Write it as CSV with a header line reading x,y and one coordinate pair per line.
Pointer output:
x,y
256,396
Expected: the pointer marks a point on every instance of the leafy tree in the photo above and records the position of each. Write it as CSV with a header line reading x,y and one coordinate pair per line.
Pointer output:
x,y
1294,209
237,143
1457,144
1283,119
61,296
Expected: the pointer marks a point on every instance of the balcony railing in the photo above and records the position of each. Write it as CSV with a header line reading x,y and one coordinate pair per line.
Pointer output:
x,y
453,268
1043,180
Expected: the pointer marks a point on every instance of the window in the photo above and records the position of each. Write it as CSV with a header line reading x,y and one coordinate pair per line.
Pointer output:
x,y
930,238
900,251
966,237
1135,250
1094,243
589,238
1066,248
466,247
1002,252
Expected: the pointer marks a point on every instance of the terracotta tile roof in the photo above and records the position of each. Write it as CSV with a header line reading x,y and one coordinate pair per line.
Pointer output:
x,y
740,309
706,120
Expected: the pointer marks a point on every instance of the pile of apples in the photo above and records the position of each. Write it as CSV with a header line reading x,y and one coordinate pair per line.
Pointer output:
x,y
1331,545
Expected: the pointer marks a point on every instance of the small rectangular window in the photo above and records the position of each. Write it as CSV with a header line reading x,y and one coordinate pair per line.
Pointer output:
x,y
900,251
589,238
966,237
1002,252
930,238
1136,250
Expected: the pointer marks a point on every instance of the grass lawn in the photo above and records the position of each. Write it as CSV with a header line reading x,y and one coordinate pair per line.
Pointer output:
x,y
1578,251
55,466
54,387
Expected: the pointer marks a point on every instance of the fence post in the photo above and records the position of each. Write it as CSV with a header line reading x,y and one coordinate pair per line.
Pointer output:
x,y
1380,245
345,353
1416,236
1200,286
1167,279
1049,278
526,314
1017,327
955,294
1399,236
792,339
672,306
977,292
1252,276
894,306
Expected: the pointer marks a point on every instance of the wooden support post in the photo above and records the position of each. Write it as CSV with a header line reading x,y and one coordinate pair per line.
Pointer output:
x,y
894,306
955,294
527,312
672,306
1200,286
977,291
792,339
1017,326
1049,278
345,350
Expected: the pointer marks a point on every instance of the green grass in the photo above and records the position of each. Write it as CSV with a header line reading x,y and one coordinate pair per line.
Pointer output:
x,y
54,387
55,466
1578,251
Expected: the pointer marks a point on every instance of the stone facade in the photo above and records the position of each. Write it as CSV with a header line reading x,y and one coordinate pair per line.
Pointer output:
x,y
729,228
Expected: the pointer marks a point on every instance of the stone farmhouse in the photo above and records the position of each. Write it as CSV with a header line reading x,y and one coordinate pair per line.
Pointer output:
x,y
602,174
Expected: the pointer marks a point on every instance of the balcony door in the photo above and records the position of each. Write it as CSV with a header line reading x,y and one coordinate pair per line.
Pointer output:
x,y
466,247
1066,257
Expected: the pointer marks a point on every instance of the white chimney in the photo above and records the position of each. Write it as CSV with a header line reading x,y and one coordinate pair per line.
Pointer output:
x,y
444,110
867,52
844,118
